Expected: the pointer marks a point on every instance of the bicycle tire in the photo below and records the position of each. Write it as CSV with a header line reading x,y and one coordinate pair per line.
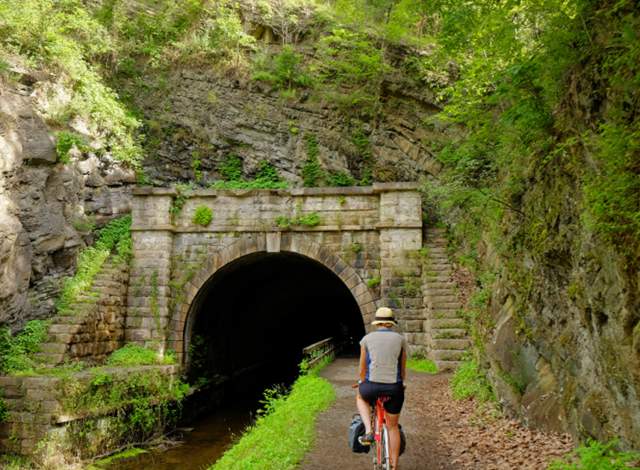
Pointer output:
x,y
386,456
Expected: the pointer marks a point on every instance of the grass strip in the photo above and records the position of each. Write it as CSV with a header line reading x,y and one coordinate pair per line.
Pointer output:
x,y
285,430
422,365
125,454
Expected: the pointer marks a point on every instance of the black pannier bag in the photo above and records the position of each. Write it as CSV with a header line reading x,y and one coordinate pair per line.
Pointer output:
x,y
356,429
403,440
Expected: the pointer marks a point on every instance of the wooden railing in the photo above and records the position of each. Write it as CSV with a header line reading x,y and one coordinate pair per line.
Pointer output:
x,y
315,352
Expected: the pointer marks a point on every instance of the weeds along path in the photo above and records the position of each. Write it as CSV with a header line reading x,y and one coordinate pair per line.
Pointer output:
x,y
441,433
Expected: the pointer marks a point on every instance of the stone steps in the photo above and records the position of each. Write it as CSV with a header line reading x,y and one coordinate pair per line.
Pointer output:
x,y
76,325
450,344
450,333
447,324
448,354
445,366
448,330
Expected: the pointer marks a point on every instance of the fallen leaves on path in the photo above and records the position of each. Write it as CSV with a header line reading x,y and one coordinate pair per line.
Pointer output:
x,y
474,436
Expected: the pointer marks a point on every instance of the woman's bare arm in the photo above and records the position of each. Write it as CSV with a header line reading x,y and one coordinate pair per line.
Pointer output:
x,y
403,365
363,363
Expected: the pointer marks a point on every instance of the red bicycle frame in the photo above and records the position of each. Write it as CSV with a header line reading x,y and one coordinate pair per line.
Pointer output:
x,y
378,425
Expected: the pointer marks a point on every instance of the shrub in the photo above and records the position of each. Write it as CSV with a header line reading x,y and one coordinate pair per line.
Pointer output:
x,y
312,173
340,178
17,351
231,168
283,70
202,216
598,456
374,282
65,141
469,381
267,176
136,355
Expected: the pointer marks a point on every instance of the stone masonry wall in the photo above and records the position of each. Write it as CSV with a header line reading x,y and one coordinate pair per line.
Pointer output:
x,y
37,410
369,236
94,327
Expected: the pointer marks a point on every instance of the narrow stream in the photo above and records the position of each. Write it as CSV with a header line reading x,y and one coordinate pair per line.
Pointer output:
x,y
200,447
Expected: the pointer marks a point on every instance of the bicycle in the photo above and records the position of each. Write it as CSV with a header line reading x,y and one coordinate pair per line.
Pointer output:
x,y
381,456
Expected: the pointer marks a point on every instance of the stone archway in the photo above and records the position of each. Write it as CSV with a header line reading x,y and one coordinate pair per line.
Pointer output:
x,y
369,237
178,335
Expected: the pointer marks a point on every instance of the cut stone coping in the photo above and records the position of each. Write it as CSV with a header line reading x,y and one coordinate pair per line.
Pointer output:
x,y
275,228
376,188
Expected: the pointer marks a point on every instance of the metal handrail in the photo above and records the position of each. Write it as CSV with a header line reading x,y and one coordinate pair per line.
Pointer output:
x,y
318,351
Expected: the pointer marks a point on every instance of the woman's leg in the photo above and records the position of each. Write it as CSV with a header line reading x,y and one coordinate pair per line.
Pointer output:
x,y
364,408
394,438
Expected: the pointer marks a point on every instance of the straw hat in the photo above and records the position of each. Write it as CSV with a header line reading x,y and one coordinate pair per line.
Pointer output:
x,y
384,315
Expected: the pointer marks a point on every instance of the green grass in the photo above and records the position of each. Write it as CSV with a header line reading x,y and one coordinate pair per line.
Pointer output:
x,y
469,381
422,365
17,351
115,236
125,454
285,431
135,355
598,456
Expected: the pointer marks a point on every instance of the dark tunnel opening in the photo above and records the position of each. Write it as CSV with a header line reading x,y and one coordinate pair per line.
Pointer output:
x,y
252,319
245,333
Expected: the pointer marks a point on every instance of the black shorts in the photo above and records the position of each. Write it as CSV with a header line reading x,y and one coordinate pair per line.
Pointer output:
x,y
370,391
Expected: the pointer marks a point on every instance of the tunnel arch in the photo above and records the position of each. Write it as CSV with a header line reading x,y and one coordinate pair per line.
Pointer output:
x,y
179,338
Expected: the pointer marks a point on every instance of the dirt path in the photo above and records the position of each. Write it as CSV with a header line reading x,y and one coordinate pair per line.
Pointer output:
x,y
442,434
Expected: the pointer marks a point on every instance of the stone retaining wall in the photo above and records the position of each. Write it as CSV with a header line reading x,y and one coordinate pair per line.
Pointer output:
x,y
36,406
94,326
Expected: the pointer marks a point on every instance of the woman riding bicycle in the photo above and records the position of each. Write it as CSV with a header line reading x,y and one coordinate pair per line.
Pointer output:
x,y
383,359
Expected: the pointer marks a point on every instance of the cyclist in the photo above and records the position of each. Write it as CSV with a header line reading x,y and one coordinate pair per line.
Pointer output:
x,y
383,359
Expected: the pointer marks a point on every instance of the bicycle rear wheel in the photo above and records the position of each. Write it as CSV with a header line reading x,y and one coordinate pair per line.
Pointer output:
x,y
385,463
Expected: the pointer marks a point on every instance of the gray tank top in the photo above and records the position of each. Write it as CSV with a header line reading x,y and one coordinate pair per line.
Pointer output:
x,y
384,348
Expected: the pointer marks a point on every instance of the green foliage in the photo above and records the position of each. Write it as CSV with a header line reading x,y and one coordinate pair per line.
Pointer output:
x,y
374,282
65,141
136,355
14,462
144,401
351,69
283,70
4,411
17,351
340,178
469,381
231,168
179,200
196,166
312,172
217,35
112,459
420,364
65,37
202,216
115,238
311,219
598,456
285,427
266,177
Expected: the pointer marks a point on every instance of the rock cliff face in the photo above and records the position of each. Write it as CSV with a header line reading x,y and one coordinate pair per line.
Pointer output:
x,y
202,117
564,342
47,208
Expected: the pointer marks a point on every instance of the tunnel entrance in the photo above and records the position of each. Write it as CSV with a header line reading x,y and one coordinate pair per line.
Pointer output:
x,y
250,321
